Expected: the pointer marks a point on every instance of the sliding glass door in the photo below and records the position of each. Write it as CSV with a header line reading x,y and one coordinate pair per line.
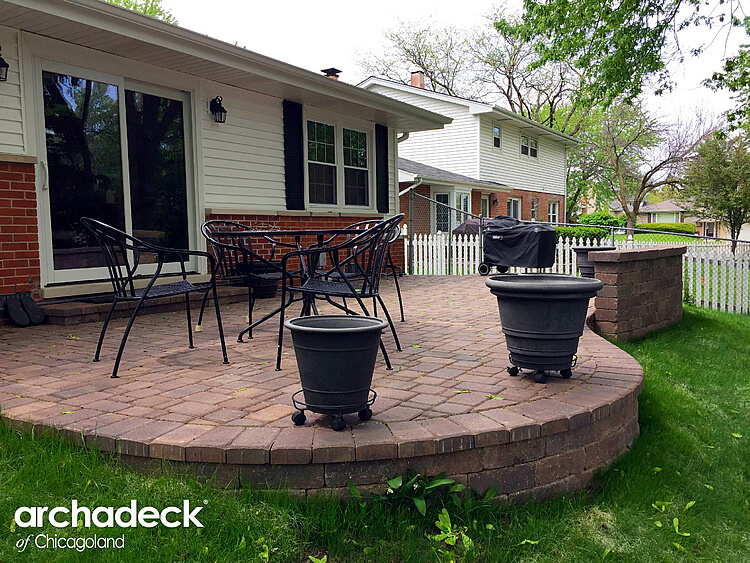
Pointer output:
x,y
115,152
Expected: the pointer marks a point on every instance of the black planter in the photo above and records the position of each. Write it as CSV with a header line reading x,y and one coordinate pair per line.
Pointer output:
x,y
542,316
585,266
336,359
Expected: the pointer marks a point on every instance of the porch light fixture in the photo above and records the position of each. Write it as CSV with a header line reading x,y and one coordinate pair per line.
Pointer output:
x,y
4,66
220,114
494,201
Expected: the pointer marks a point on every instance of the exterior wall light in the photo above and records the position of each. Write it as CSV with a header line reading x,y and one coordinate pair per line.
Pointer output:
x,y
220,114
4,66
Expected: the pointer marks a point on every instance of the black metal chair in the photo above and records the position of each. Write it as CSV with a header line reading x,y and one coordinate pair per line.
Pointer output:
x,y
123,254
390,269
240,262
358,260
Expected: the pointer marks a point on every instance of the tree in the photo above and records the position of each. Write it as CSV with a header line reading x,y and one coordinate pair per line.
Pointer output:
x,y
638,154
622,45
717,182
151,8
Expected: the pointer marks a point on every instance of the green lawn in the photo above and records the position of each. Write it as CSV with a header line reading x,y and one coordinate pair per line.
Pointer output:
x,y
692,460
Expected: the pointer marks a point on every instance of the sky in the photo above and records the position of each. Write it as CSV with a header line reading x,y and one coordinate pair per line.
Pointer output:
x,y
336,33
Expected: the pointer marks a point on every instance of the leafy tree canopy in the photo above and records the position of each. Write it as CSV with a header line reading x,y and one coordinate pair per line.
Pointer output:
x,y
717,181
622,43
151,8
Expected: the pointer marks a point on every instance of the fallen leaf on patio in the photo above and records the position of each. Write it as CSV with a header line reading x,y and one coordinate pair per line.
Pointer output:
x,y
415,346
489,396
67,412
243,389
73,337
463,391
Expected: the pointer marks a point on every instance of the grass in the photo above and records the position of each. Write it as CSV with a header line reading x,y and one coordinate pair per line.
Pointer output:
x,y
694,448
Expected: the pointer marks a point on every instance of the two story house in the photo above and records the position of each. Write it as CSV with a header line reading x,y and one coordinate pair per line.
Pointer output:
x,y
517,167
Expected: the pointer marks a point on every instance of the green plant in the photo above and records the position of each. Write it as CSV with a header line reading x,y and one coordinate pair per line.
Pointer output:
x,y
680,228
416,488
603,218
593,233
454,537
470,502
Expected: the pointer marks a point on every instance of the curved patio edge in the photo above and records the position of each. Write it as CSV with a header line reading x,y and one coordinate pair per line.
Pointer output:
x,y
531,450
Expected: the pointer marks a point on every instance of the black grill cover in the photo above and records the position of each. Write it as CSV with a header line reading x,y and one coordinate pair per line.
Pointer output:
x,y
509,242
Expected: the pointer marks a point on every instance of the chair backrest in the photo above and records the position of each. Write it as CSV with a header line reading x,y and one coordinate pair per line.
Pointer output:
x,y
368,251
122,253
226,242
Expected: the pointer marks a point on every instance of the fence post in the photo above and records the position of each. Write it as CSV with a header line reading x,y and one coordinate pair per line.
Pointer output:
x,y
411,232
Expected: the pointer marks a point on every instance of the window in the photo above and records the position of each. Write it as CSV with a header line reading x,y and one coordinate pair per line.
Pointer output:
x,y
529,147
553,208
356,189
485,208
497,136
708,230
514,207
463,202
442,214
321,159
535,209
338,164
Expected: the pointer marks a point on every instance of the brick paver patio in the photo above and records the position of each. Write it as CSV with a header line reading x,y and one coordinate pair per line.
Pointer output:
x,y
448,391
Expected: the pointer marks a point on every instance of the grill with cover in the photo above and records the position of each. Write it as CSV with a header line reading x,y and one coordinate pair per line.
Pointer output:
x,y
509,242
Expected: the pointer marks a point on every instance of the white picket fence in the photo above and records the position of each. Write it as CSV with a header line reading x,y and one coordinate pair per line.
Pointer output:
x,y
713,277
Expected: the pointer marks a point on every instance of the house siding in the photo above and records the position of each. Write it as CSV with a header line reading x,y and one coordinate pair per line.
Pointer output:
x,y
546,173
243,159
12,135
453,148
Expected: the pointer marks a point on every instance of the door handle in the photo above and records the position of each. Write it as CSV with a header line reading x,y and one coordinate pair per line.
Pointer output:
x,y
45,172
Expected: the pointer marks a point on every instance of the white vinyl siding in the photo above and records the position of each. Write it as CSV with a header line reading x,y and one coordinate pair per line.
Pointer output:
x,y
12,138
543,174
452,148
243,159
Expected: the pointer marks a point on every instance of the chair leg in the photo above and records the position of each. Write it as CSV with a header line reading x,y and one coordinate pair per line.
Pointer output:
x,y
374,308
385,356
199,326
104,329
398,292
221,328
390,322
125,338
189,320
281,327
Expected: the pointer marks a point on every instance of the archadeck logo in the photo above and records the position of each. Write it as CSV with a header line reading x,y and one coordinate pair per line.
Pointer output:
x,y
107,516
75,516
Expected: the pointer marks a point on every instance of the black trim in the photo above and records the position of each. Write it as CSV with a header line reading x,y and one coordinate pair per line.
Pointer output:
x,y
381,168
294,156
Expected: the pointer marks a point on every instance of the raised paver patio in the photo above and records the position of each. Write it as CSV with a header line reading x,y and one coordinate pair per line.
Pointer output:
x,y
448,405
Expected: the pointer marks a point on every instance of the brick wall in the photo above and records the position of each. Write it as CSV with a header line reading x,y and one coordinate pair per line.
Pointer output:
x,y
501,208
19,236
642,290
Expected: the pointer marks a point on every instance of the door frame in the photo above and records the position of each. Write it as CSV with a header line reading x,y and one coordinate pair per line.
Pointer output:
x,y
50,276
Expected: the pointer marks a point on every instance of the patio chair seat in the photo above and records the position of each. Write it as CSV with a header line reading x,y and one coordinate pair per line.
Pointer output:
x,y
167,289
329,287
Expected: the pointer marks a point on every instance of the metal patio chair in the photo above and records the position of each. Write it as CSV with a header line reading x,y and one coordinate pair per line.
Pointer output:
x,y
240,262
123,254
353,271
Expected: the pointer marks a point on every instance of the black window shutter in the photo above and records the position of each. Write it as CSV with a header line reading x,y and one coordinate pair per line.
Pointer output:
x,y
294,156
381,168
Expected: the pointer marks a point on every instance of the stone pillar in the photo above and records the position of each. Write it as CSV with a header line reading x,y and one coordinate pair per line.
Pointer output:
x,y
642,290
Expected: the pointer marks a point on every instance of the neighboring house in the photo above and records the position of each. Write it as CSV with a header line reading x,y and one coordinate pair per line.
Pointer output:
x,y
491,144
107,113
454,191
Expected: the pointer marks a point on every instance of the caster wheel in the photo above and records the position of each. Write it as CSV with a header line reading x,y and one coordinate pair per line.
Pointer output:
x,y
337,423
513,371
566,373
298,418
540,377
365,414
503,269
484,269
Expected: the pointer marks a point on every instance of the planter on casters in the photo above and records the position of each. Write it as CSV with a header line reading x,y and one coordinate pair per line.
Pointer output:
x,y
336,359
542,316
585,266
